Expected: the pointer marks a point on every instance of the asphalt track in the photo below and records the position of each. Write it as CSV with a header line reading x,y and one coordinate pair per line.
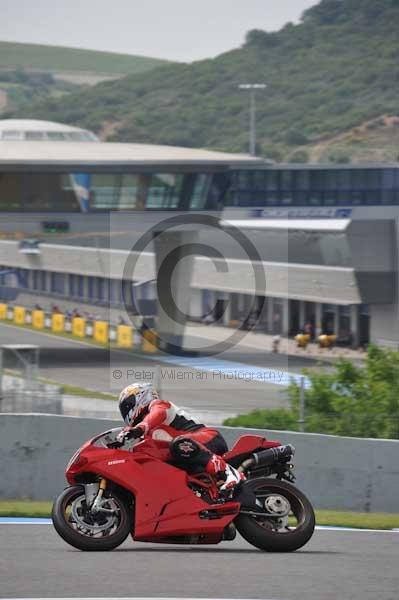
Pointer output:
x,y
335,565
84,365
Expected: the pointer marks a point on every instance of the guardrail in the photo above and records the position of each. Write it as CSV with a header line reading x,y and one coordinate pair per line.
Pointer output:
x,y
100,331
335,472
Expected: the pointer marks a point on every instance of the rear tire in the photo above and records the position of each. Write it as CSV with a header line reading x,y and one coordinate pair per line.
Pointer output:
x,y
265,536
64,525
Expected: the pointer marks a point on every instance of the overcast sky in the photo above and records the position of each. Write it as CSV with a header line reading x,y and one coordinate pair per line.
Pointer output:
x,y
182,30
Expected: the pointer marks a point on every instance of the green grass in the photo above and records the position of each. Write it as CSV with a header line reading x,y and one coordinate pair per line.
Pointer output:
x,y
74,390
58,58
357,519
30,508
25,508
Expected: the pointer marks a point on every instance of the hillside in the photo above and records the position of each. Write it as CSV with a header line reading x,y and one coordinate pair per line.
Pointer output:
x,y
31,72
58,59
336,70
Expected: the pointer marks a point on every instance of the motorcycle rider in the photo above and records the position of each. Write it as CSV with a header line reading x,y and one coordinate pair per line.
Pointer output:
x,y
193,446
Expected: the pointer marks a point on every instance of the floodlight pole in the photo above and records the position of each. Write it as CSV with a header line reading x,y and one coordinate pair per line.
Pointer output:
x,y
252,87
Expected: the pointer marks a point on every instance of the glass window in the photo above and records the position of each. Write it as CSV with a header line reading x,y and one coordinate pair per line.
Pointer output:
x,y
330,179
300,198
56,136
286,180
355,197
105,191
302,180
23,278
43,281
343,179
217,191
80,286
39,280
200,190
330,198
317,180
317,186
388,179
115,291
10,134
11,191
374,177
46,191
72,285
100,288
57,281
128,192
243,180
272,180
35,136
259,180
160,191
91,294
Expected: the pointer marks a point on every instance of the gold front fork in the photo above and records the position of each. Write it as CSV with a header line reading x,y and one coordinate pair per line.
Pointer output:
x,y
97,501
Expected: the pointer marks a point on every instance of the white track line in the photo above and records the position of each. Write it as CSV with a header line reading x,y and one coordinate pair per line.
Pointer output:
x,y
27,521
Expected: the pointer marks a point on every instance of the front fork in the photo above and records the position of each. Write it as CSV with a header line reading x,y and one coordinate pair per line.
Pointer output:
x,y
94,493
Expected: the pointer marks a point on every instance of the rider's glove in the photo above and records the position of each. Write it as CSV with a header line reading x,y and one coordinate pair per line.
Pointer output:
x,y
129,434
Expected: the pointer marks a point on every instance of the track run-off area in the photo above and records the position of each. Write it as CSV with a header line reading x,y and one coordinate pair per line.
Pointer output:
x,y
334,565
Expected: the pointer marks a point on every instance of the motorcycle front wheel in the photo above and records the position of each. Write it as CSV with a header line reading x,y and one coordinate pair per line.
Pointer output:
x,y
79,527
285,520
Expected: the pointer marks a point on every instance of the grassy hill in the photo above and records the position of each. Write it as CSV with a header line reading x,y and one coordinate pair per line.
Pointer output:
x,y
332,73
30,73
58,58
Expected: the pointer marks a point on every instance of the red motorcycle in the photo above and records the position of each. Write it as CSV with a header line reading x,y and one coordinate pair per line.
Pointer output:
x,y
136,489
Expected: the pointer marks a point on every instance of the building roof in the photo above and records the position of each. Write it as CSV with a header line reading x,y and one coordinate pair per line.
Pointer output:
x,y
332,225
40,131
64,154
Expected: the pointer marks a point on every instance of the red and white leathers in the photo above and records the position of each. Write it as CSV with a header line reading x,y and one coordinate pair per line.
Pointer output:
x,y
192,443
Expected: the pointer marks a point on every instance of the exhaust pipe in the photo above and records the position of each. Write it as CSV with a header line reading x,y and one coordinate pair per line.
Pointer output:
x,y
267,458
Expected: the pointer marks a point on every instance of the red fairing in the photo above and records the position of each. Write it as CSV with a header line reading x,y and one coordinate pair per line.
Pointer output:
x,y
164,504
166,507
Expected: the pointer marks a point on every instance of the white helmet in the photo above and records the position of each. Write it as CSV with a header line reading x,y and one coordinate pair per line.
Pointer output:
x,y
134,399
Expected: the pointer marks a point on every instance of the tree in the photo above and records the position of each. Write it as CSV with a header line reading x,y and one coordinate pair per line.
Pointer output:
x,y
349,400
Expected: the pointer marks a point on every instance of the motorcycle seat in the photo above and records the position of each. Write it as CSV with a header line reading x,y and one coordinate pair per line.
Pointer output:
x,y
243,448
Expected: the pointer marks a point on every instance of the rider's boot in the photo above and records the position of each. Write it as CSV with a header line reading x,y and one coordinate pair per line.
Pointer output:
x,y
227,477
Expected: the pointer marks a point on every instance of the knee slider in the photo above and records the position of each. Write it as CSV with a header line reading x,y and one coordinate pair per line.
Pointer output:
x,y
185,448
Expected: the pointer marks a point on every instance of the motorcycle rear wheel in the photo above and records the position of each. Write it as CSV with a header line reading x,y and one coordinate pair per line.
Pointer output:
x,y
85,531
277,532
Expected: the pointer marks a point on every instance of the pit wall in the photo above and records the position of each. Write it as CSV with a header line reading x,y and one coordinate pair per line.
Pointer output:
x,y
335,472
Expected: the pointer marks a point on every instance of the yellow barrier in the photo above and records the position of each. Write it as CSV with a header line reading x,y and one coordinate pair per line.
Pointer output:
x,y
302,340
150,339
326,341
100,332
79,327
124,336
58,323
19,315
38,319
3,311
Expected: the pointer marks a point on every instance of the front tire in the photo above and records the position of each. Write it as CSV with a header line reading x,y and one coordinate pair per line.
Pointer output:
x,y
284,505
85,531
